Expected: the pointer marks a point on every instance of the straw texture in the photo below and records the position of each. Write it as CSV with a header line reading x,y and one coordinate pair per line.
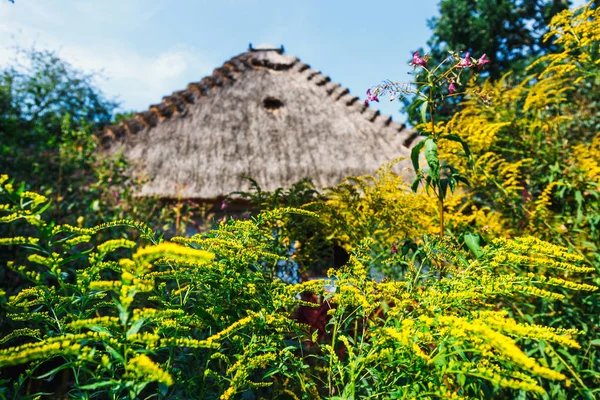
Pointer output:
x,y
262,114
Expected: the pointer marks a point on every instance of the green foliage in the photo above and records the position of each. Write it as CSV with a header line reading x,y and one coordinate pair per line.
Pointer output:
x,y
202,317
306,243
509,32
36,92
122,315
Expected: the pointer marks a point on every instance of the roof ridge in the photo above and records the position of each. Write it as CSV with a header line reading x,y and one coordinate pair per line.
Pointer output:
x,y
339,92
177,103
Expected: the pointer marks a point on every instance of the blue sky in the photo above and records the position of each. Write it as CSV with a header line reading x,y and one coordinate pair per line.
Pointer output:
x,y
149,48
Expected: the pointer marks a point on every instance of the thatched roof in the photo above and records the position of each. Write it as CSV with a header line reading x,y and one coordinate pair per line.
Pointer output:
x,y
262,114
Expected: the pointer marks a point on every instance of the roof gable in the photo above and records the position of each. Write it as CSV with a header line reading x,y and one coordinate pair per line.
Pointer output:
x,y
262,114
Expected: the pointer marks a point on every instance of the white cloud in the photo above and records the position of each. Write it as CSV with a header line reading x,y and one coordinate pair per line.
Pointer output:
x,y
136,78
141,80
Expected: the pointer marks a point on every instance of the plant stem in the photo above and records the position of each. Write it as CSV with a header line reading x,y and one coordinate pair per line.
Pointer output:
x,y
441,216
440,194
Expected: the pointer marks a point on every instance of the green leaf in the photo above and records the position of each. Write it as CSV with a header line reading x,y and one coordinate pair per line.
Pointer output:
x,y
423,110
462,179
472,242
135,328
97,385
115,354
428,183
101,329
163,389
415,183
431,155
55,370
579,200
462,378
455,138
123,313
202,313
270,373
414,154
452,183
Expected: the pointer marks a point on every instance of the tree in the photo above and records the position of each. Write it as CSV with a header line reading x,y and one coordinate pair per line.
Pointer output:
x,y
37,92
509,32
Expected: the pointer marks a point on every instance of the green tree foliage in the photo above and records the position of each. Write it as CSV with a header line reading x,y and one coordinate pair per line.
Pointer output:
x,y
508,31
36,93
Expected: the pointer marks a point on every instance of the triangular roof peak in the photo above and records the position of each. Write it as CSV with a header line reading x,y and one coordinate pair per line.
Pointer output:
x,y
263,114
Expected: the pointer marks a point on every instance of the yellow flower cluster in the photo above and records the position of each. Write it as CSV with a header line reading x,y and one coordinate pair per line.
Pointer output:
x,y
379,207
348,295
112,245
537,260
36,198
72,229
98,321
147,338
491,342
232,328
509,326
105,285
76,240
143,368
502,377
32,316
543,293
51,347
587,159
28,297
406,338
242,369
34,333
531,244
567,284
171,250
542,204
189,342
18,240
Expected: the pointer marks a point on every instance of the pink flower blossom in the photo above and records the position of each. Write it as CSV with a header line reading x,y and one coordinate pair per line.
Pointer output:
x,y
394,249
465,62
223,205
451,88
418,60
482,61
370,97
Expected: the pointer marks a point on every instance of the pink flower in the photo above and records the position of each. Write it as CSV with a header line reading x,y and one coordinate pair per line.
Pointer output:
x,y
482,61
370,97
451,88
394,249
223,205
418,60
465,62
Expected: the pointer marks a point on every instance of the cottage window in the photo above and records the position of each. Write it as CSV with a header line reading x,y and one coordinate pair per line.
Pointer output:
x,y
271,104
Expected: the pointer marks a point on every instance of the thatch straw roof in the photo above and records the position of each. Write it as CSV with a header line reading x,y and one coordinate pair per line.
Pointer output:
x,y
262,114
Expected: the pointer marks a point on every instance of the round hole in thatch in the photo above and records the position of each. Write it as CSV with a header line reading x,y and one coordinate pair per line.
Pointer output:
x,y
272,104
